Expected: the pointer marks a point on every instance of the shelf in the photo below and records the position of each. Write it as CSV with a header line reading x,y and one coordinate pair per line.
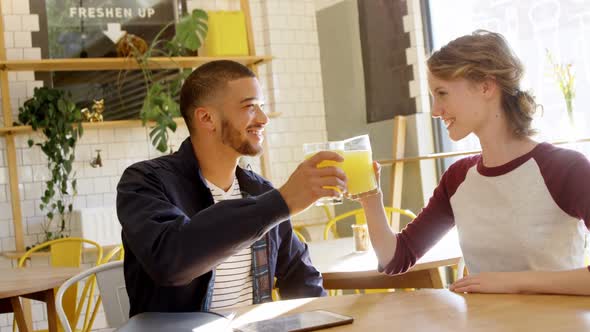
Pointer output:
x,y
92,64
97,125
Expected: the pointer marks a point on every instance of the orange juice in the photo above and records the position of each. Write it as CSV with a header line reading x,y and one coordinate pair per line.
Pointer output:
x,y
358,166
328,163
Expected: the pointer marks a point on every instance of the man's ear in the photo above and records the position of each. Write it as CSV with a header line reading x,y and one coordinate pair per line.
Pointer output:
x,y
204,119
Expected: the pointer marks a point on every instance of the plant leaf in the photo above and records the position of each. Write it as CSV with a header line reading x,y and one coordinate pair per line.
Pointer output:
x,y
191,30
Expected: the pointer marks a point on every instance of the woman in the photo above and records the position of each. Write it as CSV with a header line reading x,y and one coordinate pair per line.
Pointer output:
x,y
518,205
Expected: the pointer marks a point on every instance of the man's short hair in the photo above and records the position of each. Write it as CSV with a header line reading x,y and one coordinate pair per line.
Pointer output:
x,y
206,81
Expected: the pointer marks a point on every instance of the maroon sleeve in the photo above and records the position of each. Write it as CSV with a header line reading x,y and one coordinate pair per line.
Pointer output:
x,y
433,222
567,176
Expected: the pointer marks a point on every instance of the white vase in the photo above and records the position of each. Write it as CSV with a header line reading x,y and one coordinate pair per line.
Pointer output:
x,y
573,126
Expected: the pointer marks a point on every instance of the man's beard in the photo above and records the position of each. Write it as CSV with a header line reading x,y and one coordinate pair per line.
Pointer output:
x,y
232,138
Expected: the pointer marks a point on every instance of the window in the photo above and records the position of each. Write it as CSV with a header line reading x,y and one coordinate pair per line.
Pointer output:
x,y
531,27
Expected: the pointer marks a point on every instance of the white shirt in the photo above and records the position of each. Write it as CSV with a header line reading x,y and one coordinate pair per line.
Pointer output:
x,y
233,278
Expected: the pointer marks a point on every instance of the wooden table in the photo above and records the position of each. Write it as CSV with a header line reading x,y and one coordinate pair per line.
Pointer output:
x,y
36,283
438,310
344,269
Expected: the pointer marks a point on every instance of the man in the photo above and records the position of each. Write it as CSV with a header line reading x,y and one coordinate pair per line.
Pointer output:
x,y
199,232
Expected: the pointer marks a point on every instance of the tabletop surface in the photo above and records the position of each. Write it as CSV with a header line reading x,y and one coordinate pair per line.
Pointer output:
x,y
20,281
175,321
438,310
337,256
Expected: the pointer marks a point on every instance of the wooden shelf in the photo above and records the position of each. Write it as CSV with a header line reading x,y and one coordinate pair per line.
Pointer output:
x,y
91,64
16,130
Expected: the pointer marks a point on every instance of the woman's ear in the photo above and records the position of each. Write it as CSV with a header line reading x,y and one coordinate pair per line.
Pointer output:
x,y
489,87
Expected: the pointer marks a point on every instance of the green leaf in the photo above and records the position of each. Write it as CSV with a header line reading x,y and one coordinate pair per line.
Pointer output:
x,y
52,112
191,30
159,136
67,166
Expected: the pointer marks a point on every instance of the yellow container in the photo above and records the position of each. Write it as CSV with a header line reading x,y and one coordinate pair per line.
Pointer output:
x,y
227,34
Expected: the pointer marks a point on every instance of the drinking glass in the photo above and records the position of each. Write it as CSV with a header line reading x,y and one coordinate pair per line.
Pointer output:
x,y
358,166
310,149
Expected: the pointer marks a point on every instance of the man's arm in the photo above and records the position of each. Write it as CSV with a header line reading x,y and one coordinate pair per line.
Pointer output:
x,y
296,276
175,248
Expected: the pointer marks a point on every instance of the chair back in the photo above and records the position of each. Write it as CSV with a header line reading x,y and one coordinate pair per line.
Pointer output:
x,y
111,283
117,253
68,252
359,216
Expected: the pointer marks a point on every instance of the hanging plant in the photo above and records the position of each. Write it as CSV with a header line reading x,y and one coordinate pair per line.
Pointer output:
x,y
159,104
60,121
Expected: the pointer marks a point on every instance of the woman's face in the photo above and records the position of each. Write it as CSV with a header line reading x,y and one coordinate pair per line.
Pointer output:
x,y
460,104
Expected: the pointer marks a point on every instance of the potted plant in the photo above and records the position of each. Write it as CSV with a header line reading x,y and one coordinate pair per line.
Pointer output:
x,y
160,103
566,81
60,121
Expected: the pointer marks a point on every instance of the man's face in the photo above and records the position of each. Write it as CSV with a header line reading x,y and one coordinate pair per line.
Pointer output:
x,y
241,116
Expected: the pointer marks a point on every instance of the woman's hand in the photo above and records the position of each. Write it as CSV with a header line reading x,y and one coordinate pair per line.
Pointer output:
x,y
376,194
491,282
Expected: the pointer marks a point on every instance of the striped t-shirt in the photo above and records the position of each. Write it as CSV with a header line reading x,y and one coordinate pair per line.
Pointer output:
x,y
233,278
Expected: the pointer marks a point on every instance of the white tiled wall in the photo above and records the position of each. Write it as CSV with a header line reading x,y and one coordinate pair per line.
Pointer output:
x,y
285,29
416,56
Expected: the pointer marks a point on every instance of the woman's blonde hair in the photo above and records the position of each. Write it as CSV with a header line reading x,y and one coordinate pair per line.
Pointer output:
x,y
484,55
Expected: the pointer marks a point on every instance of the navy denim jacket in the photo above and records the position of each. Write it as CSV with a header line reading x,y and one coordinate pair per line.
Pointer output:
x,y
174,236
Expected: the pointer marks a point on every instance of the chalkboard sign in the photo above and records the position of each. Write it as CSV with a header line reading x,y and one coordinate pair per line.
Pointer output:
x,y
91,29
384,45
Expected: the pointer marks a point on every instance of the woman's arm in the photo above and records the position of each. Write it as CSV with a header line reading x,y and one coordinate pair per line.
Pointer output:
x,y
398,252
383,238
570,282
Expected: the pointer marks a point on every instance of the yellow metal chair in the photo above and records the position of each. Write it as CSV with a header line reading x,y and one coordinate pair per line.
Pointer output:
x,y
359,216
117,251
299,235
67,252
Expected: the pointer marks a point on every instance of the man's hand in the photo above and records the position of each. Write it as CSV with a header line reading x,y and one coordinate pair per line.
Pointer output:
x,y
307,183
491,282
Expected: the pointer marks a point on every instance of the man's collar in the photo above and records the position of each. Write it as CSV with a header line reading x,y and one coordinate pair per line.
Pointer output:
x,y
190,164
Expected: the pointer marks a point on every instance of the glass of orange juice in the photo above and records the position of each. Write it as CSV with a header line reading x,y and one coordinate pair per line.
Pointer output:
x,y
310,149
358,166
